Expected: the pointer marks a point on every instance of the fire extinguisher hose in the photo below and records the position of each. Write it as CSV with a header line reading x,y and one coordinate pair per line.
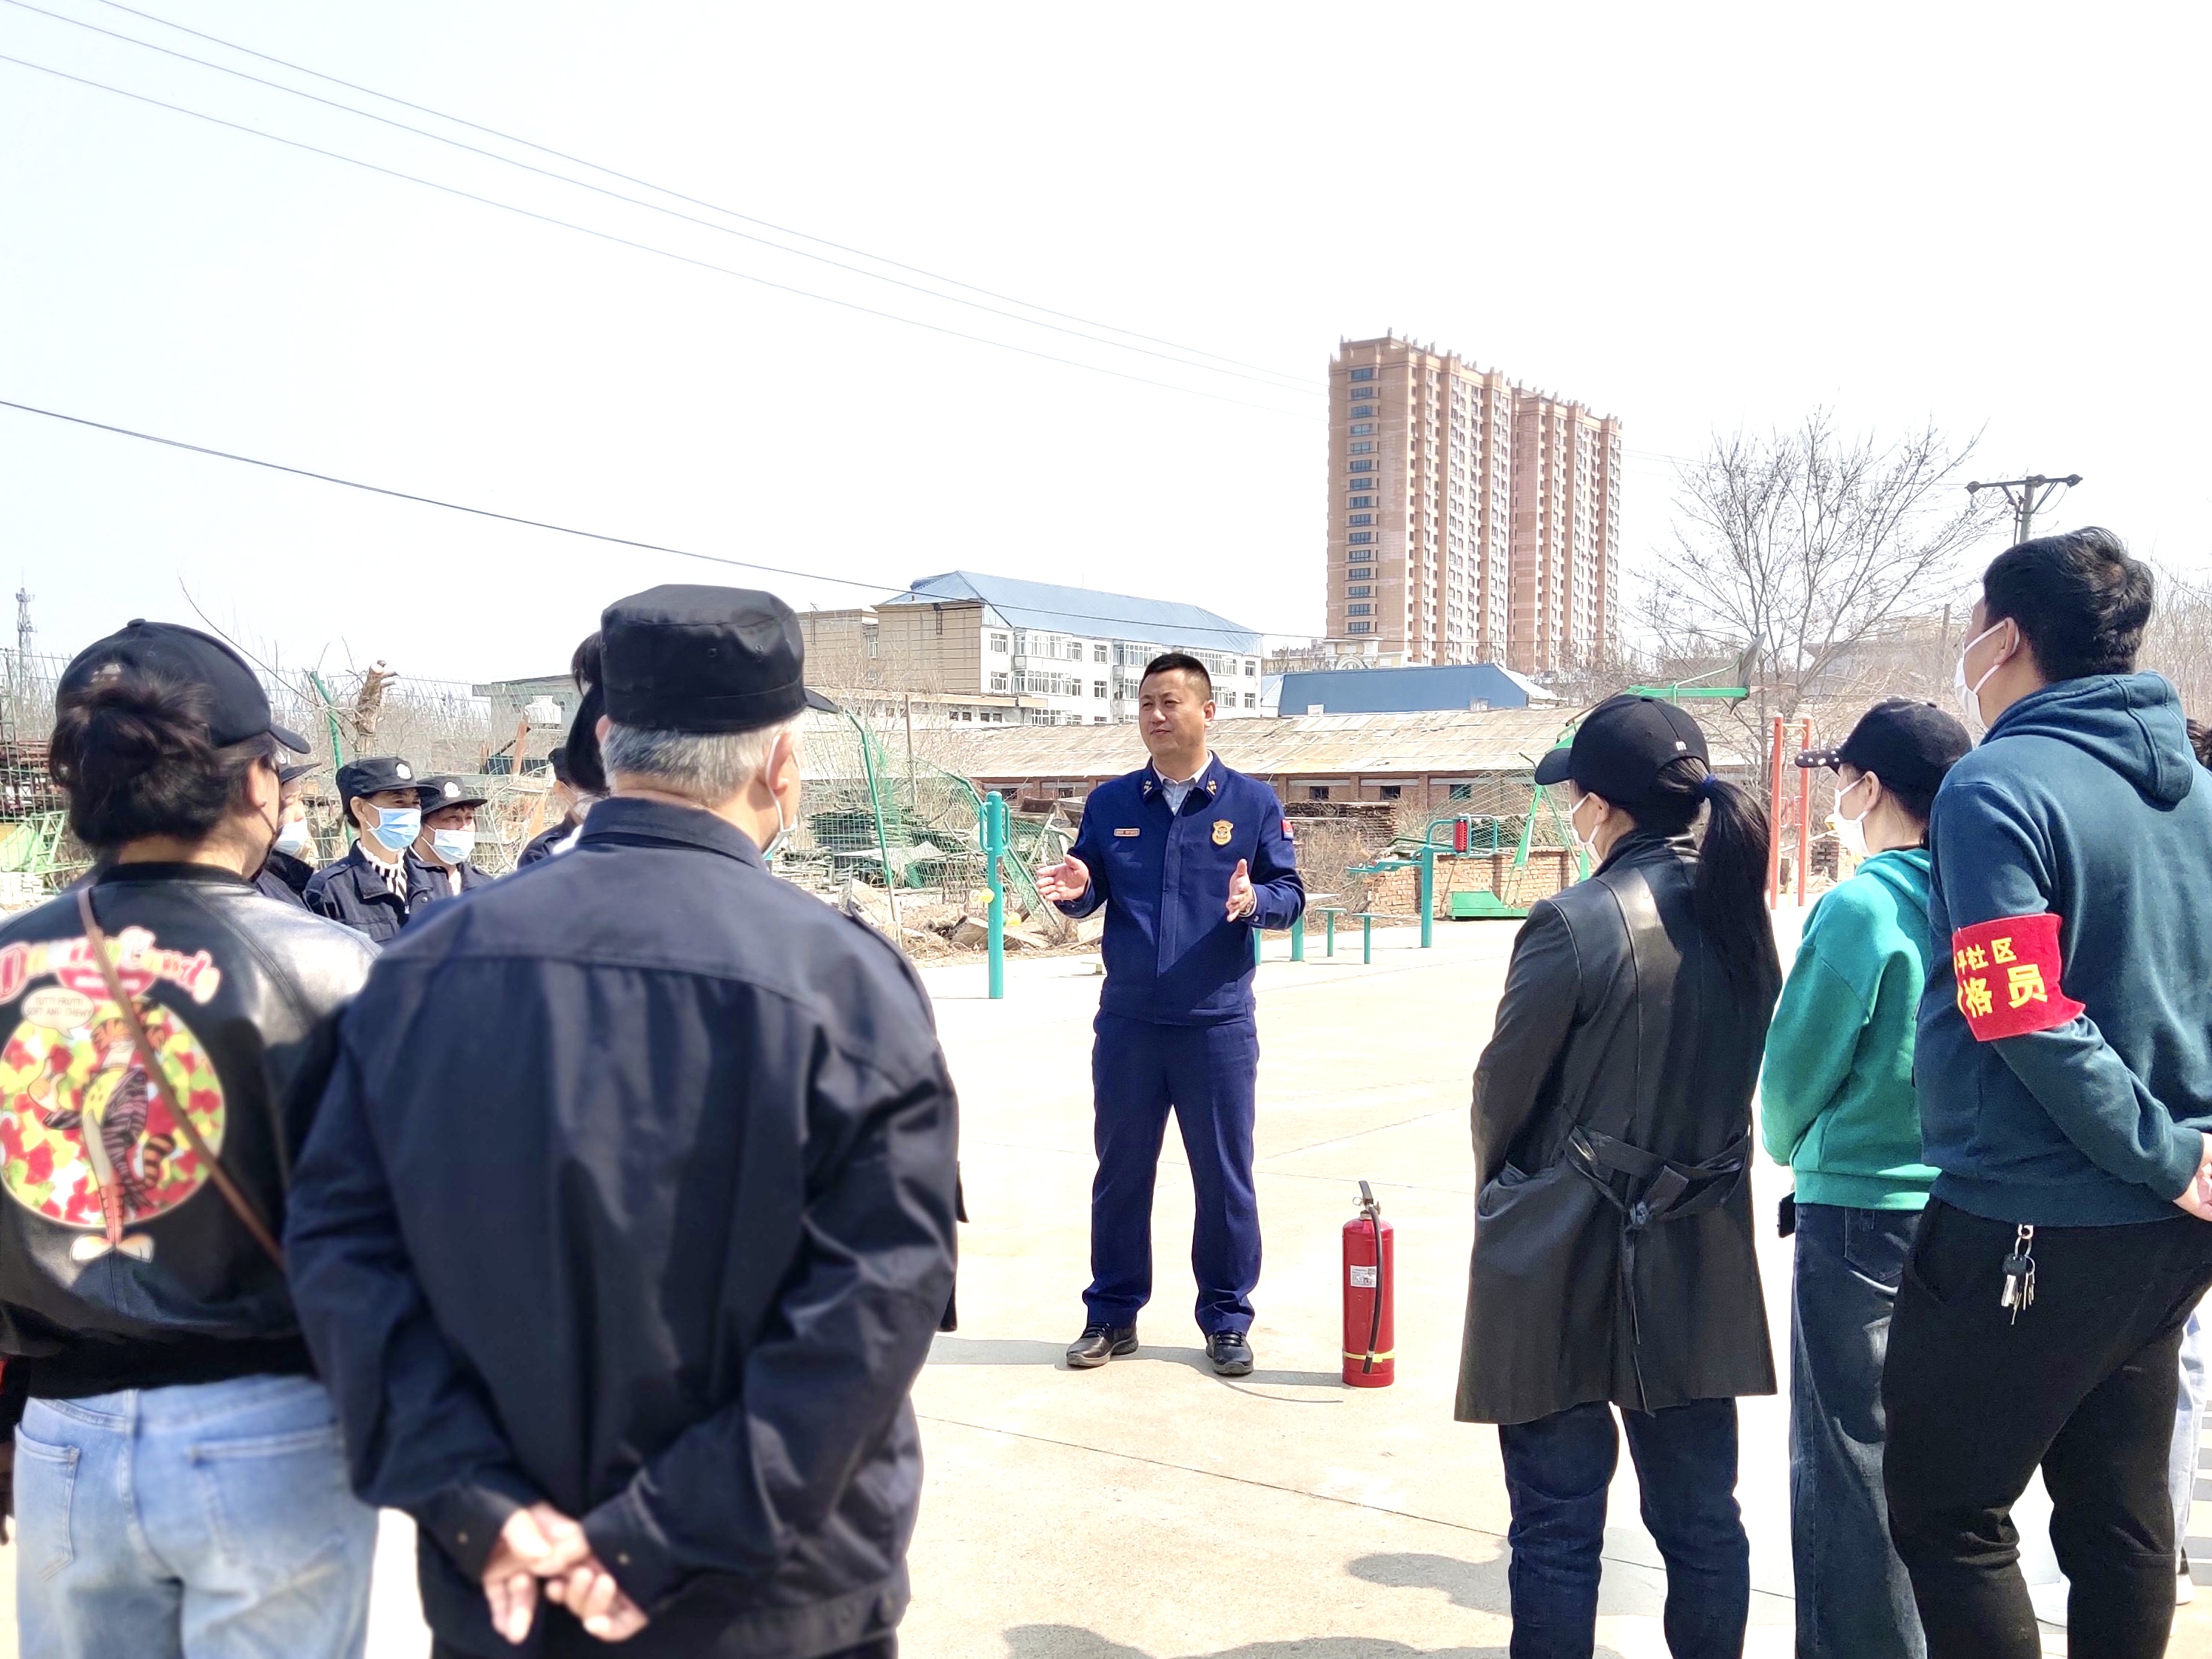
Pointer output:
x,y
1374,1213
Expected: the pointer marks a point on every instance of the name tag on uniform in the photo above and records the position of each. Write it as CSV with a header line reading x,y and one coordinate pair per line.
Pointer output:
x,y
1128,832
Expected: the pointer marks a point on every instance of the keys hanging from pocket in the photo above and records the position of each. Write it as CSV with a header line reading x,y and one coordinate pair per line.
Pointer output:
x,y
2019,1292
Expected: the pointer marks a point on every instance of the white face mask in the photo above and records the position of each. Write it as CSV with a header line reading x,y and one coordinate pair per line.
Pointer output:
x,y
292,839
782,828
1969,696
1850,833
1588,844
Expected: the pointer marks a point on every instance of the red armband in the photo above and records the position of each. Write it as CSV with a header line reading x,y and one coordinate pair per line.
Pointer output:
x,y
2008,976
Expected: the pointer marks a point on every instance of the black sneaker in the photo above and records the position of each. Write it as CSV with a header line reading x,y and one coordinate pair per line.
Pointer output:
x,y
1100,1343
1231,1354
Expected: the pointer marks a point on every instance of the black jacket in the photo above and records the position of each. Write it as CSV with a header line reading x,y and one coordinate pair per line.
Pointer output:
x,y
540,846
1613,1254
353,890
633,1190
285,878
427,885
239,994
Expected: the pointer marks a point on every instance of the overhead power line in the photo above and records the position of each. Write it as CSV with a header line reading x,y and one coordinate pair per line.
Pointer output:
x,y
642,247
678,195
1272,378
892,588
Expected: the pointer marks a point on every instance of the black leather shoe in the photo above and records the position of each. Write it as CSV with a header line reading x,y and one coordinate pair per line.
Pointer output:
x,y
1100,1343
1231,1354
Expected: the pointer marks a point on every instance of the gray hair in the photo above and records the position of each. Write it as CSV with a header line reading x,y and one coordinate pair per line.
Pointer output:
x,y
708,766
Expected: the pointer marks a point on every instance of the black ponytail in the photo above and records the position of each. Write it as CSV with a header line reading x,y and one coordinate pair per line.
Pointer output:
x,y
133,753
1731,891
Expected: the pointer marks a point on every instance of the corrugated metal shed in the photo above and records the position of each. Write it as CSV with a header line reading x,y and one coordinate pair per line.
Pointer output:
x,y
1051,608
1402,690
1438,744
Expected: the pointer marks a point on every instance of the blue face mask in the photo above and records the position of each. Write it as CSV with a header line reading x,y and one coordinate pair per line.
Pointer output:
x,y
395,827
453,845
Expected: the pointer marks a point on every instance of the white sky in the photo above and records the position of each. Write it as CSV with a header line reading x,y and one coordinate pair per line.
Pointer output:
x,y
1693,216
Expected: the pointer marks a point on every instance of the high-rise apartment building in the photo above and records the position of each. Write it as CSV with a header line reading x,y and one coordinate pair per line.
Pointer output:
x,y
1469,520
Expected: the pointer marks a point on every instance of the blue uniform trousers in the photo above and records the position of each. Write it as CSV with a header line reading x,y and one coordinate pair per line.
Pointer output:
x,y
1208,1074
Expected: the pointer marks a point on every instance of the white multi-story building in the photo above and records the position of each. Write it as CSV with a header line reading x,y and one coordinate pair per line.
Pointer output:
x,y
1056,655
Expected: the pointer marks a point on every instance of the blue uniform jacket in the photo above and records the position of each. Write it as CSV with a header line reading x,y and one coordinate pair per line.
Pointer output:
x,y
632,1188
1173,958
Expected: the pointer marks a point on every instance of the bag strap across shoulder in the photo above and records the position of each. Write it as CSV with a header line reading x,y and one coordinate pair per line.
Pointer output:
x,y
240,1205
1657,963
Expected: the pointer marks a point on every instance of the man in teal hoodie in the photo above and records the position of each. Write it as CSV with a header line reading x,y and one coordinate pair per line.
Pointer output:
x,y
2064,1075
1836,1105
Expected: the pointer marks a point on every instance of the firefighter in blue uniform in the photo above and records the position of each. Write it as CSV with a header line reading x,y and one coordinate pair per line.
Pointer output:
x,y
1187,857
373,889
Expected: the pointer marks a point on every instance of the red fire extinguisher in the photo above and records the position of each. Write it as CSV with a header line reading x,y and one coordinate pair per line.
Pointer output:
x,y
1370,1359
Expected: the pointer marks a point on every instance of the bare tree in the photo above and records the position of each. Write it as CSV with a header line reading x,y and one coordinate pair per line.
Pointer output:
x,y
1796,550
2179,642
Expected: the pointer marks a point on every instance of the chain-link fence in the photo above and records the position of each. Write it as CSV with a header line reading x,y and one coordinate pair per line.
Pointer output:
x,y
436,725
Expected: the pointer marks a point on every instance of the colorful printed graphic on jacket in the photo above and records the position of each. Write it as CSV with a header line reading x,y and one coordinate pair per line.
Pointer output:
x,y
80,1121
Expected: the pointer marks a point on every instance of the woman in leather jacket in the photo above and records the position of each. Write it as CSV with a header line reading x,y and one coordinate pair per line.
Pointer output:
x,y
179,1486
1614,1266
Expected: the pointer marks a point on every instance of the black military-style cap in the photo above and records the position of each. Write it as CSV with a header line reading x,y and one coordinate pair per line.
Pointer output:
x,y
293,774
686,658
238,709
444,789
1901,741
1621,746
373,775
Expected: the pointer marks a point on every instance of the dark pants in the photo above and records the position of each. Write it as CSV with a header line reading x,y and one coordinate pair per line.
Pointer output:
x,y
2082,1384
1208,1075
1854,1598
1557,1470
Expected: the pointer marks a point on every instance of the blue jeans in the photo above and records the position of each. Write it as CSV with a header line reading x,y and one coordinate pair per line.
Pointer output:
x,y
1854,1596
2188,1427
205,1522
1557,1470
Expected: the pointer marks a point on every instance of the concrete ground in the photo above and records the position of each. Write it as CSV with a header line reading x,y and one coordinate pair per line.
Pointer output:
x,y
1153,1510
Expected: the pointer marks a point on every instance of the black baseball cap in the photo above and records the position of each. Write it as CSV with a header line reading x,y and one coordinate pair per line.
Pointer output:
x,y
373,775
1909,744
445,789
293,774
1621,746
687,657
238,709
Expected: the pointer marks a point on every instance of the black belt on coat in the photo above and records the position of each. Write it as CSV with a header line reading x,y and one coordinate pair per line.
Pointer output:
x,y
1666,1191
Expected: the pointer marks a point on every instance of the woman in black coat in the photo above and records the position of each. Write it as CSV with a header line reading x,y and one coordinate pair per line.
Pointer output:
x,y
1613,1264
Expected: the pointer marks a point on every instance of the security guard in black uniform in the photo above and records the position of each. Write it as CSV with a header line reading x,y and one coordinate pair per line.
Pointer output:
x,y
448,839
375,886
285,876
640,1324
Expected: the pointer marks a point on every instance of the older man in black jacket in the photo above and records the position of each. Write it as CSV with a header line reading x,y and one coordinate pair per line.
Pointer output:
x,y
628,1213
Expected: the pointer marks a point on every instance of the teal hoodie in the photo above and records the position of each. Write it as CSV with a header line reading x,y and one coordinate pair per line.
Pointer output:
x,y
2066,1053
1836,1100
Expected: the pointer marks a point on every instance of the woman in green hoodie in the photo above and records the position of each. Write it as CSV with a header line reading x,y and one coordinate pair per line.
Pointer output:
x,y
1837,1106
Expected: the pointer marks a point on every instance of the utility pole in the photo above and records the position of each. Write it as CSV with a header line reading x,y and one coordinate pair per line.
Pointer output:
x,y
23,629
2026,497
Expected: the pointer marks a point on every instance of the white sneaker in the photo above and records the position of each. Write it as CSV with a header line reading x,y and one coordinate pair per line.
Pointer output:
x,y
2184,1591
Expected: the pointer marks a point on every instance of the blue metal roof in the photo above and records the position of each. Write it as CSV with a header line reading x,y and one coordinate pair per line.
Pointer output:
x,y
1402,690
1051,608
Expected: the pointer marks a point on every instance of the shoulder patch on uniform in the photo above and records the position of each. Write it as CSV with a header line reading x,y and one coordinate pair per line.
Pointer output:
x,y
2008,973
